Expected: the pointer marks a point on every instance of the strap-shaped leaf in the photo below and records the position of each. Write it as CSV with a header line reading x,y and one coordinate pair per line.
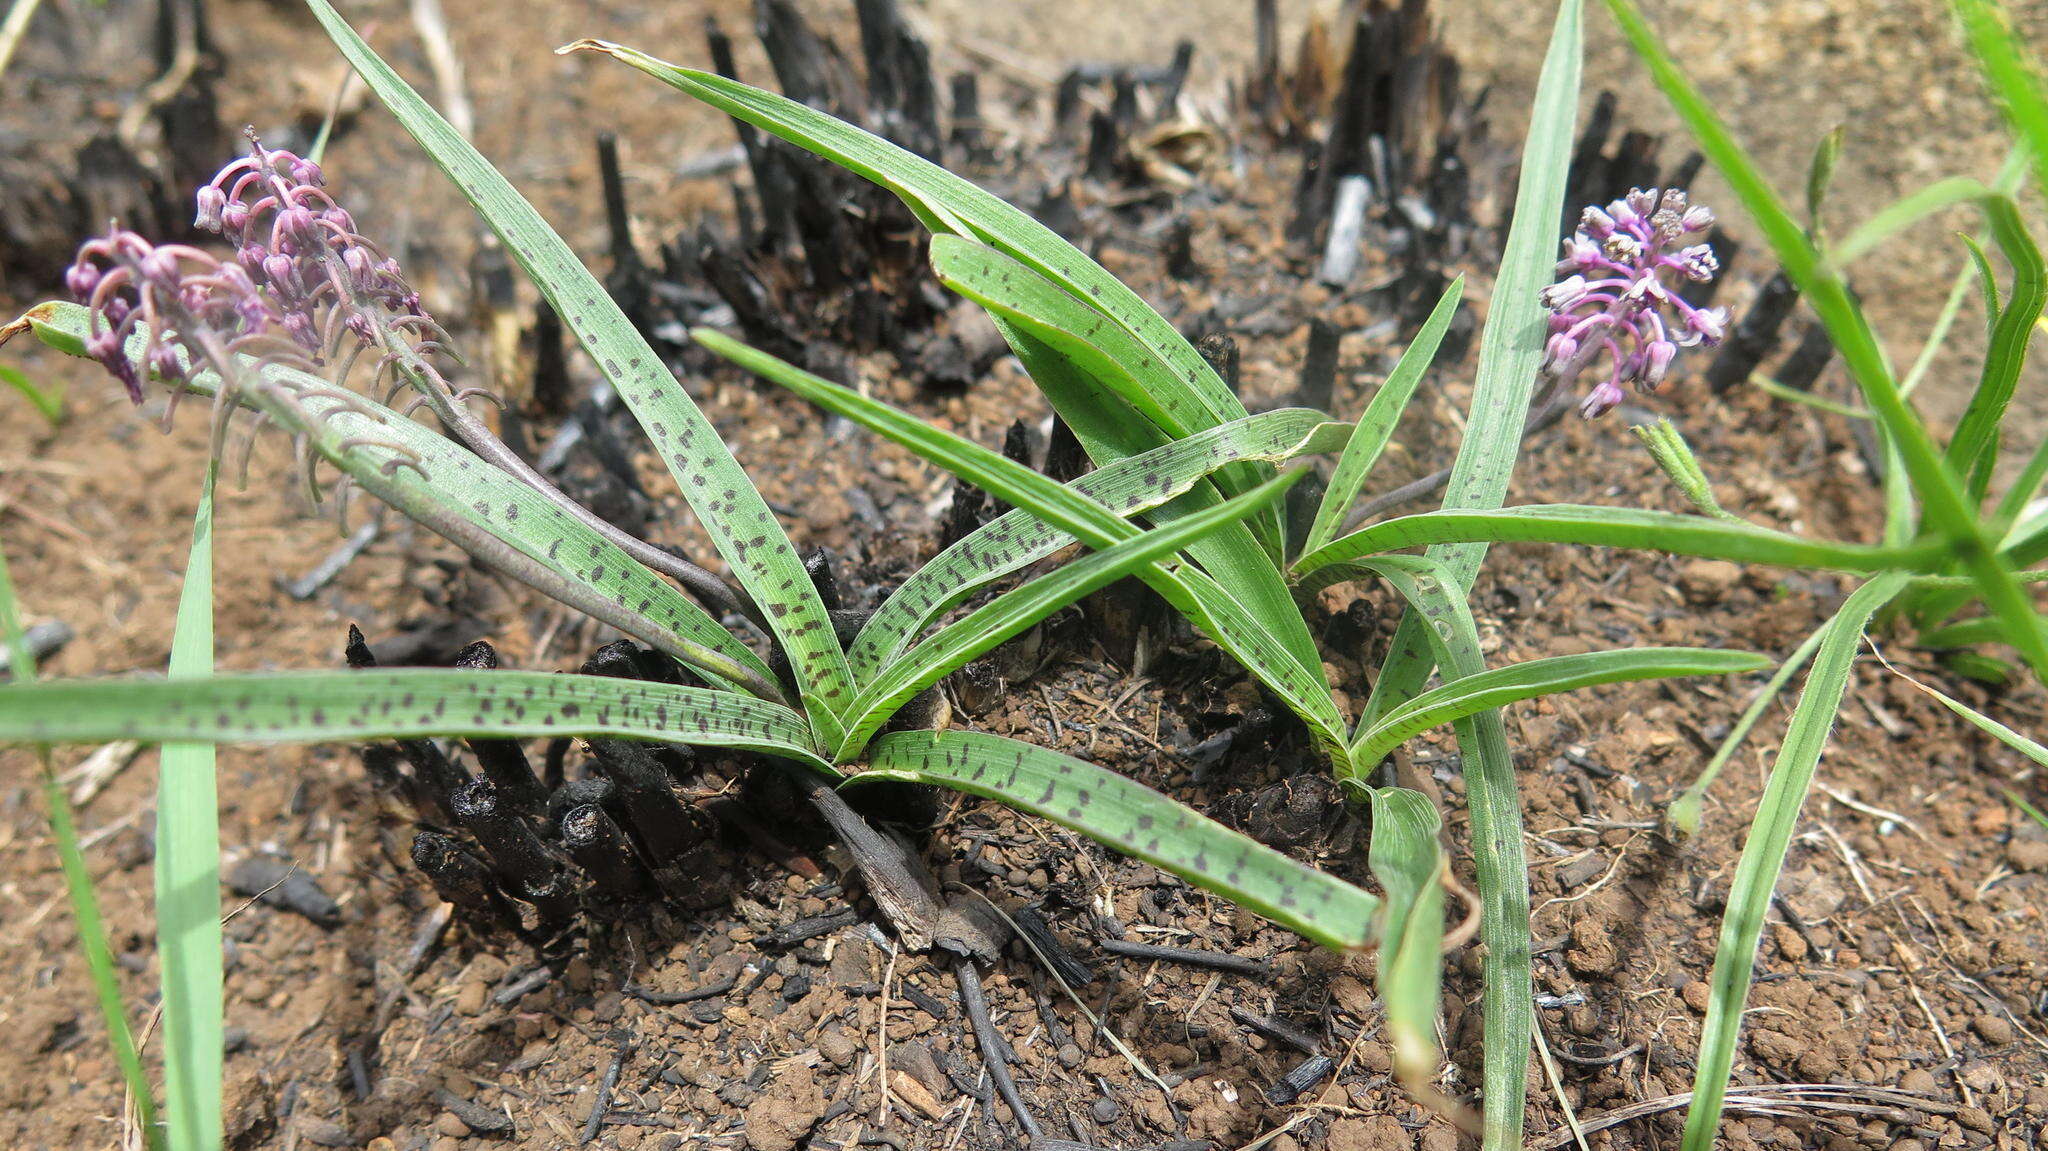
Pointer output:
x,y
1062,336
1618,528
947,203
1497,687
306,707
1126,487
1131,818
1408,860
443,485
734,515
187,874
1763,853
1369,438
1020,607
1211,607
1436,602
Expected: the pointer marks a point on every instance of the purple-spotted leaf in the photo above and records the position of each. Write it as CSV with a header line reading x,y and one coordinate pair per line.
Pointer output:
x,y
502,521
1128,486
733,513
306,707
1129,817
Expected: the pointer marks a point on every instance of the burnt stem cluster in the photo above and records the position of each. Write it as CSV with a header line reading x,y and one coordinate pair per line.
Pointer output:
x,y
515,849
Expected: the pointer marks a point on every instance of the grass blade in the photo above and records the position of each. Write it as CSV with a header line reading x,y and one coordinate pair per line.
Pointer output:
x,y
85,905
353,706
1515,682
734,515
1011,612
1017,538
188,876
482,509
1763,854
1989,726
1620,528
1942,497
1131,818
1684,813
48,403
1369,438
2013,77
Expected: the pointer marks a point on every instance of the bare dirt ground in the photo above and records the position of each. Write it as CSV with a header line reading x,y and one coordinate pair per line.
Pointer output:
x,y
1905,954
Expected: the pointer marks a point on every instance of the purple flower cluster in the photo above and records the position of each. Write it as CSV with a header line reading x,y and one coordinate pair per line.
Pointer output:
x,y
1614,298
300,279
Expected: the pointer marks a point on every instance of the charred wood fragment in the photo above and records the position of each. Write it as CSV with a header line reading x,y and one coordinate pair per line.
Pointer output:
x,y
1755,335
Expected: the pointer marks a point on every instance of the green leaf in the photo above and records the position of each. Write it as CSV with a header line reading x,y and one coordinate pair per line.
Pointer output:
x,y
1017,609
1407,859
307,707
1126,487
733,514
1193,592
1763,855
188,876
1947,509
946,203
47,403
2013,76
502,521
1369,438
1537,677
1510,354
1615,527
1133,819
2003,734
1057,326
85,905
1493,801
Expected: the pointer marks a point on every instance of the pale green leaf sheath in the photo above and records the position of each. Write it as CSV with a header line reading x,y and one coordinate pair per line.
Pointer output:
x,y
733,514
1132,818
1408,860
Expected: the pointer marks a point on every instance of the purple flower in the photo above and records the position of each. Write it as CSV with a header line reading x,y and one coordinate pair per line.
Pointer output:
x,y
1618,294
300,280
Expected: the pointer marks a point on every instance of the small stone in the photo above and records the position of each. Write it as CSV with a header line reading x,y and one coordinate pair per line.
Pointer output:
x,y
1993,1029
1069,1056
1697,994
447,1124
1976,1119
1708,581
839,1047
1918,1081
1105,1110
471,997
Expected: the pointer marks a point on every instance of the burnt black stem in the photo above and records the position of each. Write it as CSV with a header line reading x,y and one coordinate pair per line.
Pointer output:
x,y
1192,956
597,845
522,861
501,759
461,878
602,1105
992,1054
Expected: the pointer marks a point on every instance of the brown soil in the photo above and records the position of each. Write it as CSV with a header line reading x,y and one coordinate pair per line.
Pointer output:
x,y
1905,952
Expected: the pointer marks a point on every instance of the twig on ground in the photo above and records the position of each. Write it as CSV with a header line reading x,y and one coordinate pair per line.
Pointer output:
x,y
993,1053
1194,957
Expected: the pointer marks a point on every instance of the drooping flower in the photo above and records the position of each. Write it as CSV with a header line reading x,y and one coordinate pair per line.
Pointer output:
x,y
303,287
1618,298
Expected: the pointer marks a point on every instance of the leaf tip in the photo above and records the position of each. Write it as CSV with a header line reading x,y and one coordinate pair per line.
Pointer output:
x,y
588,44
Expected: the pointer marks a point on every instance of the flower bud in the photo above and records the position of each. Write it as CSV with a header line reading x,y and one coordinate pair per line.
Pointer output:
x,y
1698,263
1710,323
1596,222
1561,350
1604,397
1657,363
1642,202
212,202
282,272
303,171
81,278
1563,294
